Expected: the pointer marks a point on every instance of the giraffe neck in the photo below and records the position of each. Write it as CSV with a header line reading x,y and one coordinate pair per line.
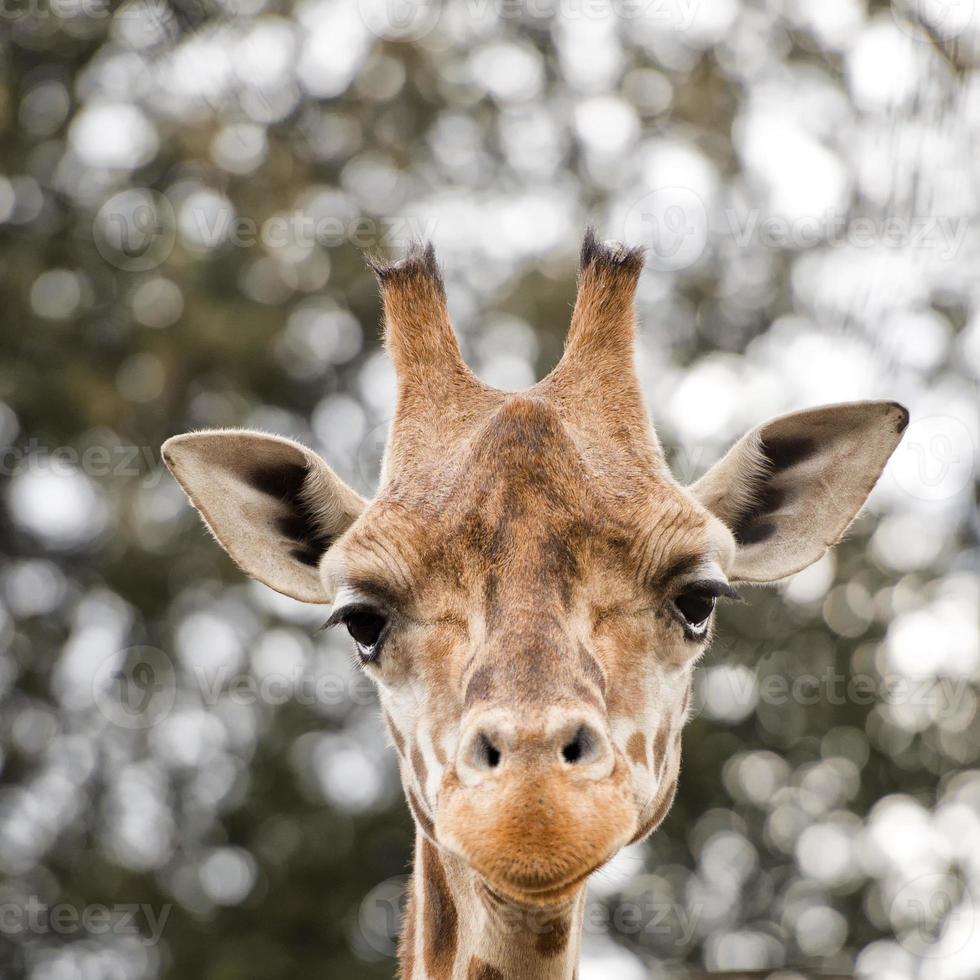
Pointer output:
x,y
456,929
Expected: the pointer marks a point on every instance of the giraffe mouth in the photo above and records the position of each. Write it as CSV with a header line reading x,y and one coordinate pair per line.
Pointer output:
x,y
510,889
510,882
539,888
535,842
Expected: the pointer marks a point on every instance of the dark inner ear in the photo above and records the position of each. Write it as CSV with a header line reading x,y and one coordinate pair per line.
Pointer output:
x,y
783,453
299,523
779,455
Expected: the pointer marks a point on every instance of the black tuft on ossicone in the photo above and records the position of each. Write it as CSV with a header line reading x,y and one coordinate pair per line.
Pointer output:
x,y
613,256
419,264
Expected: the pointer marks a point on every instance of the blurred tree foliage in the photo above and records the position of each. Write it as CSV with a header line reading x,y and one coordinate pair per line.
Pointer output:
x,y
134,138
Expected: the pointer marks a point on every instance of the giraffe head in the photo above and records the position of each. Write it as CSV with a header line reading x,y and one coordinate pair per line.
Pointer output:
x,y
530,588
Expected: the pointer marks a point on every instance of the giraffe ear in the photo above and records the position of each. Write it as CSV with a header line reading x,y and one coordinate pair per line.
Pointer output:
x,y
273,505
789,489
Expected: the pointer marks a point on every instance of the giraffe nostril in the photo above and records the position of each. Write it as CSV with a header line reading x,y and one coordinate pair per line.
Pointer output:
x,y
483,754
579,746
499,747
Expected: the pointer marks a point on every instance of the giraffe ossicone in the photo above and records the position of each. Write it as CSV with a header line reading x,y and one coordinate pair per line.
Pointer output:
x,y
530,588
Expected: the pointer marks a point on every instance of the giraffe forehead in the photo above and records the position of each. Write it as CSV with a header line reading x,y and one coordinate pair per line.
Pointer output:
x,y
487,554
523,505
526,447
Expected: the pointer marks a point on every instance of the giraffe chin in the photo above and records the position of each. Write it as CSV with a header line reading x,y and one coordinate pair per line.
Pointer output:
x,y
535,841
556,897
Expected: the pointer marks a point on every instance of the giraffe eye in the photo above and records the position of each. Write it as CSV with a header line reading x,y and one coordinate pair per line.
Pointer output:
x,y
367,626
695,603
695,606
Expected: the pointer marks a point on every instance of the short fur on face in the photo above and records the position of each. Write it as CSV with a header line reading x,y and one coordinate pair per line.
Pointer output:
x,y
539,573
519,580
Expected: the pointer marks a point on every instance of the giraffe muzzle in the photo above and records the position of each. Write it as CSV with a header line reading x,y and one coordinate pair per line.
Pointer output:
x,y
536,804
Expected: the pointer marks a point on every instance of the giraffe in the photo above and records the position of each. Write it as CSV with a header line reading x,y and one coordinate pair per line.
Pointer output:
x,y
530,588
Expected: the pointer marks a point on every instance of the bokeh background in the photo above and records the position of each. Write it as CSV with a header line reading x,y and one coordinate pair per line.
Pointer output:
x,y
194,781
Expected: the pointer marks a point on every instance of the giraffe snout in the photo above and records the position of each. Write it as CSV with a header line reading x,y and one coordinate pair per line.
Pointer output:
x,y
498,741
537,800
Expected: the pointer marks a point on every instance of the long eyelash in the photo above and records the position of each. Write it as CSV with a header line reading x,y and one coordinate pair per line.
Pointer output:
x,y
342,612
714,588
